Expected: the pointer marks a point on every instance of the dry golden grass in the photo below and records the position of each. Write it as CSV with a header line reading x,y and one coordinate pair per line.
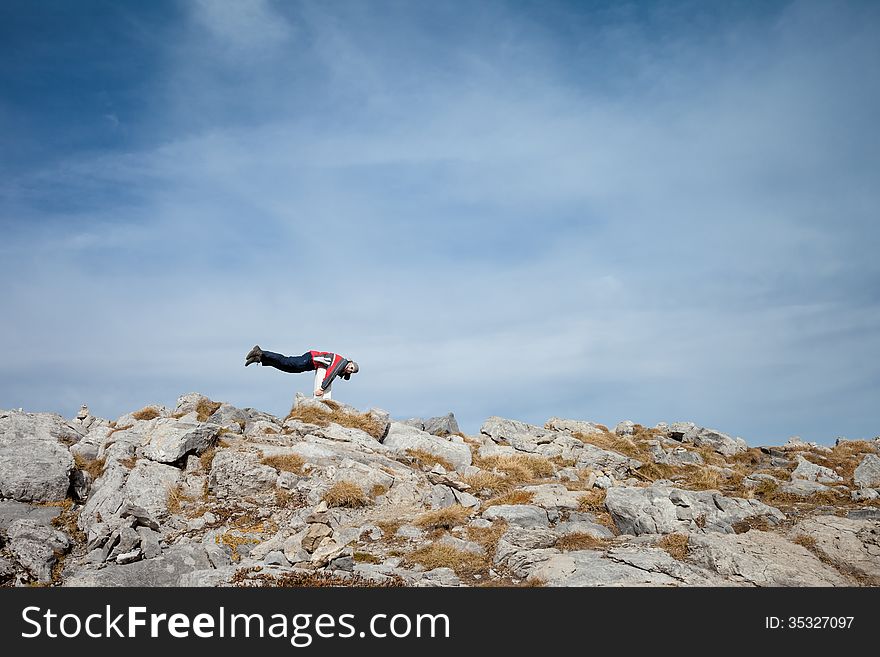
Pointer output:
x,y
346,494
206,408
233,542
702,478
488,537
175,499
389,527
751,457
285,462
378,490
805,541
675,544
592,501
67,521
510,497
487,482
440,555
332,412
445,518
693,477
645,433
94,467
580,541
758,523
651,471
206,458
769,493
779,473
519,468
844,458
427,460
146,413
611,441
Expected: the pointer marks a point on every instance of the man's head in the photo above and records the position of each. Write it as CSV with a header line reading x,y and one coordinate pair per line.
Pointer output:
x,y
351,367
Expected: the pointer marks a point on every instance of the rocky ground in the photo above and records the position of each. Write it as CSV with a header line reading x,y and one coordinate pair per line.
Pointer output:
x,y
207,494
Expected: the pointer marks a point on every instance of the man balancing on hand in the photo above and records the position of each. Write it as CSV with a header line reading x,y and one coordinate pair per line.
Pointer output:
x,y
328,366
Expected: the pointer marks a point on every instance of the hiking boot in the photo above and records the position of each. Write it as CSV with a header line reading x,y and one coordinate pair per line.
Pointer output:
x,y
255,355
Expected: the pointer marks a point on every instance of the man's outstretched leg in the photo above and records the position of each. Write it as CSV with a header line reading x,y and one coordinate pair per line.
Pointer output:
x,y
292,364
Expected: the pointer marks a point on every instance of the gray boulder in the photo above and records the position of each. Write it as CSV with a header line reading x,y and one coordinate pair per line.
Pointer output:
x,y
10,511
442,426
149,485
36,547
851,545
677,456
625,428
663,510
573,426
171,440
521,515
238,474
802,487
761,559
591,568
165,570
521,436
809,471
34,465
688,432
402,437
867,474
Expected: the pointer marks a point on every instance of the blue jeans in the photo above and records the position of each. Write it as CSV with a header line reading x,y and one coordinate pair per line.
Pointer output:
x,y
292,364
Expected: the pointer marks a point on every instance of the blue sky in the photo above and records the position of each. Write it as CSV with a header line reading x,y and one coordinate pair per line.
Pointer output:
x,y
605,211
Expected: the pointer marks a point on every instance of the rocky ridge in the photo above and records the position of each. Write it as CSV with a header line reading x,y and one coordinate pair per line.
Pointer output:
x,y
207,494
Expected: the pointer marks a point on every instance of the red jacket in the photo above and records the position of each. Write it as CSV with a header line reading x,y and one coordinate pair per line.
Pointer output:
x,y
333,365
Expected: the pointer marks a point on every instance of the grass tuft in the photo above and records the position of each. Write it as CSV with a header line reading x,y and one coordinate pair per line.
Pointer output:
x,y
332,412
445,518
510,497
206,408
428,460
146,413
285,462
675,544
346,494
95,467
580,541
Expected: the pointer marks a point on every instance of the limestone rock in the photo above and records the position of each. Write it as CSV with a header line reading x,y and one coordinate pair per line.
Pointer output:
x,y
236,474
36,547
165,570
662,510
402,437
851,545
521,436
761,559
809,471
171,440
35,465
574,426
688,432
867,474
521,515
